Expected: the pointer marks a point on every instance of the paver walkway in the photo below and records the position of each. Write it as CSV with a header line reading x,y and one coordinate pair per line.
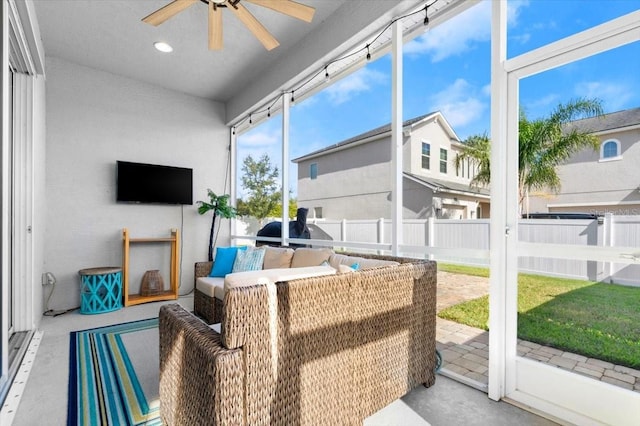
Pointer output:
x,y
465,350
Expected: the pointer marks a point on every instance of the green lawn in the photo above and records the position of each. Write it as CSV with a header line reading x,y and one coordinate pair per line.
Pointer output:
x,y
595,320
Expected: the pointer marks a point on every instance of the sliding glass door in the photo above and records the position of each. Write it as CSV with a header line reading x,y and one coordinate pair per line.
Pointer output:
x,y
6,296
10,210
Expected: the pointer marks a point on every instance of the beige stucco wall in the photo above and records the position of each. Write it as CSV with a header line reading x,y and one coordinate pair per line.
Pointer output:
x,y
352,183
94,119
594,186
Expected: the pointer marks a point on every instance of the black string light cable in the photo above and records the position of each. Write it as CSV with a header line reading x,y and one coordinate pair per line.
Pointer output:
x,y
325,69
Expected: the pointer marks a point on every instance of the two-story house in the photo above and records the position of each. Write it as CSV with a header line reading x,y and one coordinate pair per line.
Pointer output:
x,y
352,179
602,181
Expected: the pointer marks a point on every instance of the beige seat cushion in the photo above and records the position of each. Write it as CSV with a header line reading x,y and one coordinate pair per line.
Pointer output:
x,y
211,286
271,276
335,260
310,257
277,257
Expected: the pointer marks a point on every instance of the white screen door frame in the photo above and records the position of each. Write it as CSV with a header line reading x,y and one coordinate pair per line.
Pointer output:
x,y
562,394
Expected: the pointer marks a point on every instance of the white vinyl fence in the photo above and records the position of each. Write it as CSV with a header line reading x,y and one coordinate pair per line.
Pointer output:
x,y
620,231
470,235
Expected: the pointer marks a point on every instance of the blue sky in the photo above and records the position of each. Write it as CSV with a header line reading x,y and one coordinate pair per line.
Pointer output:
x,y
448,69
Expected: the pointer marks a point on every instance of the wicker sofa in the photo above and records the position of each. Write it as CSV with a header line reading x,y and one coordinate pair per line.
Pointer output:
x,y
315,351
280,264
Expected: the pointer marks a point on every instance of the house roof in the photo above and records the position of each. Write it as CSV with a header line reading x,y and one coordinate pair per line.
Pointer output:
x,y
607,122
451,187
377,133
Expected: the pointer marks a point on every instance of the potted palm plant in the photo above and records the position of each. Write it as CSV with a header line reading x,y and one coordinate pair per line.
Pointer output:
x,y
219,204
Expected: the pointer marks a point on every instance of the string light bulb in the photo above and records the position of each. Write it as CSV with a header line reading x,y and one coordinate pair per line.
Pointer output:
x,y
326,70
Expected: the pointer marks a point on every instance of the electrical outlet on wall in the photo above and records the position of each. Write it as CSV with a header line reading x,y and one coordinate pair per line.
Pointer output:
x,y
48,279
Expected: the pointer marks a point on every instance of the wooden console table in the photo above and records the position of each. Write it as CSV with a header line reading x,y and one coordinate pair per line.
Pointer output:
x,y
172,293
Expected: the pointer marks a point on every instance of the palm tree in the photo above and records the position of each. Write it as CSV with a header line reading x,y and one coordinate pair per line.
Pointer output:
x,y
219,204
543,145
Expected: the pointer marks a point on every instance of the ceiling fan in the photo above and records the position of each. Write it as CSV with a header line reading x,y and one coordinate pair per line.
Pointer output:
x,y
288,7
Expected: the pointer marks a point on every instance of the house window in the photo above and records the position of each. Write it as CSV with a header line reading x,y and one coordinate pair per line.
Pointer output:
x,y
610,150
461,166
443,160
313,170
426,155
317,212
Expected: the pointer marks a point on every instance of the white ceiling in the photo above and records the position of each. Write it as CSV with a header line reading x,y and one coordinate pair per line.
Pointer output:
x,y
109,35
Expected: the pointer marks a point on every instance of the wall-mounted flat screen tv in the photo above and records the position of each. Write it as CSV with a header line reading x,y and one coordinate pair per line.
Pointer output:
x,y
153,183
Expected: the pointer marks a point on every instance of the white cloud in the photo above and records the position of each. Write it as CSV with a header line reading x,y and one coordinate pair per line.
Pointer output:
x,y
614,96
256,144
454,36
545,102
522,39
459,35
459,103
360,81
265,138
514,7
260,137
306,103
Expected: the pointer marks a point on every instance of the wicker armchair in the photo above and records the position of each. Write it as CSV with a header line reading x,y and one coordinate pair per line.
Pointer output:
x,y
317,351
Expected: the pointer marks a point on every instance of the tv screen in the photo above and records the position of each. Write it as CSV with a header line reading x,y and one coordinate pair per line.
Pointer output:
x,y
152,183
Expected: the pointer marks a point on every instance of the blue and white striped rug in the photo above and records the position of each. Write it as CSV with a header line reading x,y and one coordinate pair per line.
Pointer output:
x,y
114,375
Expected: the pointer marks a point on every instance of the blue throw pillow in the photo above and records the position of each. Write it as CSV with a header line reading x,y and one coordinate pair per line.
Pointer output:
x,y
223,264
250,260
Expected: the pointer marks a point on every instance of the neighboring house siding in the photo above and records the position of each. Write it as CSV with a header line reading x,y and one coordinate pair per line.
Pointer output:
x,y
593,184
354,177
434,134
348,181
417,200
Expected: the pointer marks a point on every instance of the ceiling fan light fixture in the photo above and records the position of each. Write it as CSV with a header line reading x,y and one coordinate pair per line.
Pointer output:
x,y
163,47
288,7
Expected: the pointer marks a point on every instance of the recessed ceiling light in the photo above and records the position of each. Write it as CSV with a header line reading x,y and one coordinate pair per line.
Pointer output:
x,y
163,47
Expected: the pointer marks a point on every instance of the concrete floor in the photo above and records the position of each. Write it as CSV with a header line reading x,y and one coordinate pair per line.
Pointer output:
x,y
44,400
450,403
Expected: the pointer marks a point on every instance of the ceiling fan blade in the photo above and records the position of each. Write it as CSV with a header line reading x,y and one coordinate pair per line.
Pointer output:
x,y
288,7
215,27
166,12
258,30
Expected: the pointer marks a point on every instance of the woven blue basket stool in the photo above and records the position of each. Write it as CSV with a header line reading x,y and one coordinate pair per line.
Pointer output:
x,y
101,290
